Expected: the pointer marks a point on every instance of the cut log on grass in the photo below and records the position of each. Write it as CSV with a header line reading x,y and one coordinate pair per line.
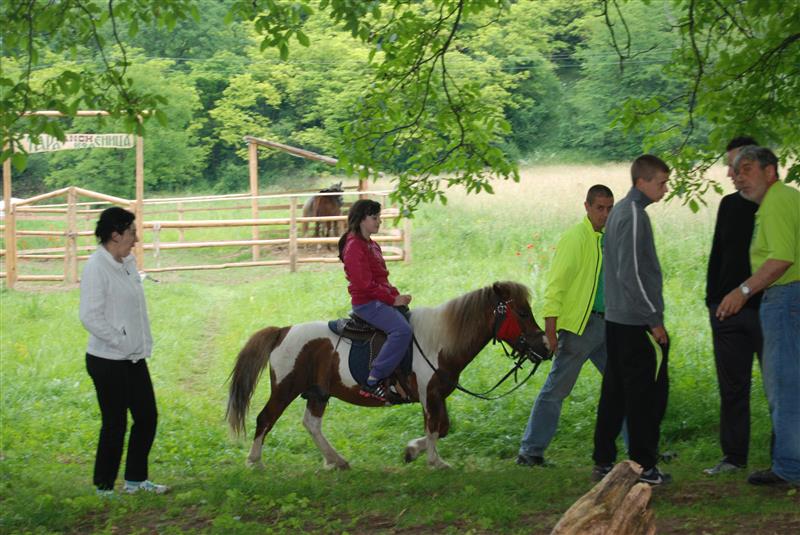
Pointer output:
x,y
617,504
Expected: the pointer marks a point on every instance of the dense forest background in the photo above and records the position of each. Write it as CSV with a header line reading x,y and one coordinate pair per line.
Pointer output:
x,y
548,65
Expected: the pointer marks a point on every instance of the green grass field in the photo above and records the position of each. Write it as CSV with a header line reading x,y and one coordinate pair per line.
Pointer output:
x,y
200,320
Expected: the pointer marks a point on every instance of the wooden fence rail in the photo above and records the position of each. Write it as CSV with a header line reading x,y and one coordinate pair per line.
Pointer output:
x,y
396,240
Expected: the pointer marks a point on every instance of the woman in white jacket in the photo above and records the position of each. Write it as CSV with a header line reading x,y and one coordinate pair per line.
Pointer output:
x,y
114,311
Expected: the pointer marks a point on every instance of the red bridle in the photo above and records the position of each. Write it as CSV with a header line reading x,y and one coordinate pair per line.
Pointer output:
x,y
506,326
507,329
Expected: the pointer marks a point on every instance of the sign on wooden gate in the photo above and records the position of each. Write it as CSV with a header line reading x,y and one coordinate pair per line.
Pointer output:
x,y
79,141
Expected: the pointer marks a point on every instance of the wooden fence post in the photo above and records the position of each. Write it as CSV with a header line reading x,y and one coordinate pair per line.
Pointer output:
x,y
180,218
406,240
138,206
363,185
11,227
71,242
293,236
252,160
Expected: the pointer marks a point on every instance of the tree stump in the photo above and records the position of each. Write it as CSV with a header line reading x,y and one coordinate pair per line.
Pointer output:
x,y
617,504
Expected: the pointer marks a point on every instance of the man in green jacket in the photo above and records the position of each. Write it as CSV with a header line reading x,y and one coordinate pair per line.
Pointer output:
x,y
574,324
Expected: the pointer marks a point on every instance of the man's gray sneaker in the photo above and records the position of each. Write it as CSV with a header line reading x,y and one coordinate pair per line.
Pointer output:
x,y
132,487
721,468
655,477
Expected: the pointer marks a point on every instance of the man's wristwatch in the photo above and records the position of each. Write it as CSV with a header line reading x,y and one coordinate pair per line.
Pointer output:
x,y
746,291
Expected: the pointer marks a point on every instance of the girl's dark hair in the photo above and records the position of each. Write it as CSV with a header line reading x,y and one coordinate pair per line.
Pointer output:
x,y
114,219
358,212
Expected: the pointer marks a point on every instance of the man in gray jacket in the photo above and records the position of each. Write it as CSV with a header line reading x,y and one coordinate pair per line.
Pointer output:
x,y
635,383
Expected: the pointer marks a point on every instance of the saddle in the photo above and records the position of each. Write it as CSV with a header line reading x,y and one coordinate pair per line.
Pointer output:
x,y
367,342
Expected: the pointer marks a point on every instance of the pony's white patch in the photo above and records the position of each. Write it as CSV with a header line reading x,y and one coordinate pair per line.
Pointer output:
x,y
344,361
314,426
283,358
415,447
434,460
254,457
428,326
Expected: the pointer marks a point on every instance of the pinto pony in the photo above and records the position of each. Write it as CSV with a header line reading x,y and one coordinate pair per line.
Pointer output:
x,y
323,206
310,360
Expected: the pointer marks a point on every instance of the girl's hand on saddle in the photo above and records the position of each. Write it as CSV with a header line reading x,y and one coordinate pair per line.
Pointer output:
x,y
401,300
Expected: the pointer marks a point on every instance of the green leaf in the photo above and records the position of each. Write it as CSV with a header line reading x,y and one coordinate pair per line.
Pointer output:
x,y
19,160
161,117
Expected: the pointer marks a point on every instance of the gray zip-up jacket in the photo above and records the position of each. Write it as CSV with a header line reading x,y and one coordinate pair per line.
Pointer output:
x,y
633,281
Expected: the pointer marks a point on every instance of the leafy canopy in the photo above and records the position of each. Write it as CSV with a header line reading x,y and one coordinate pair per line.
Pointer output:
x,y
737,64
414,105
440,83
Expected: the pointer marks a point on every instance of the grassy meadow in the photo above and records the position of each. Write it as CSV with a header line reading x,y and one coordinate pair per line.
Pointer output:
x,y
200,320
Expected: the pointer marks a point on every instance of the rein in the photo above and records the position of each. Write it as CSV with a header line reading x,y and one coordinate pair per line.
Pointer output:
x,y
483,395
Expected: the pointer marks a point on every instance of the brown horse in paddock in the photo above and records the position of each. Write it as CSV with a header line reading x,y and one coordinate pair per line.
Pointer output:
x,y
325,205
311,360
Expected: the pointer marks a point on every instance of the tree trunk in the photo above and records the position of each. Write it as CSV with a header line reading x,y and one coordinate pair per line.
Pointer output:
x,y
617,504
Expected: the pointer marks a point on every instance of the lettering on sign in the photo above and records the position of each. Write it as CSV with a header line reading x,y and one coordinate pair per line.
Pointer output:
x,y
78,141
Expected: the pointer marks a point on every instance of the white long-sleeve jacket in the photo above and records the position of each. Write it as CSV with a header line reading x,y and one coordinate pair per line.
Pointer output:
x,y
113,308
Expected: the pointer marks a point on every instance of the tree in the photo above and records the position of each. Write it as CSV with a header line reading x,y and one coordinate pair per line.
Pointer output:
x,y
513,53
173,155
602,86
98,80
737,60
413,107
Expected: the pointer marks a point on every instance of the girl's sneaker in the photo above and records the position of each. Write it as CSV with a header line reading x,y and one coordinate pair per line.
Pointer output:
x,y
132,487
377,391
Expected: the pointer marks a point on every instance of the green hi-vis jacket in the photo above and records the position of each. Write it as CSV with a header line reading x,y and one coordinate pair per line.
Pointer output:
x,y
573,277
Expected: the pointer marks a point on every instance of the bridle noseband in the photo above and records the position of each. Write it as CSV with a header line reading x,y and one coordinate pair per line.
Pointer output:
x,y
507,329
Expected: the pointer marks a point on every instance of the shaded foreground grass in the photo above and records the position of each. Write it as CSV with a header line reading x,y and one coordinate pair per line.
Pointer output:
x,y
200,320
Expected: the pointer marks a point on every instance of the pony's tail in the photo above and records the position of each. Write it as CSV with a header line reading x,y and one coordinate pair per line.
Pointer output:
x,y
252,360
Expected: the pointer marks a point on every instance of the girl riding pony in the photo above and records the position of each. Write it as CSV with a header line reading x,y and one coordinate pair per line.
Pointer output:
x,y
373,298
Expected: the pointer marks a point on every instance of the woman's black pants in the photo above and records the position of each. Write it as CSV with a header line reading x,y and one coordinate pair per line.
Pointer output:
x,y
122,386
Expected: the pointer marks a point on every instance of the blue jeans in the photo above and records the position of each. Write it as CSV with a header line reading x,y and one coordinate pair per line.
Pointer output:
x,y
572,353
780,322
398,336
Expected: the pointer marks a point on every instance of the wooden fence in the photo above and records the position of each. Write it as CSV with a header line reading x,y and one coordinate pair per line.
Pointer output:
x,y
166,225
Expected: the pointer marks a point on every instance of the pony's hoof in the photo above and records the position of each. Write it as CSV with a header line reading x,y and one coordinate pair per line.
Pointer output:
x,y
338,465
254,465
439,465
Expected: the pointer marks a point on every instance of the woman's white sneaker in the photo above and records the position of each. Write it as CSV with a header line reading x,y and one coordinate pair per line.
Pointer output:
x,y
132,487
